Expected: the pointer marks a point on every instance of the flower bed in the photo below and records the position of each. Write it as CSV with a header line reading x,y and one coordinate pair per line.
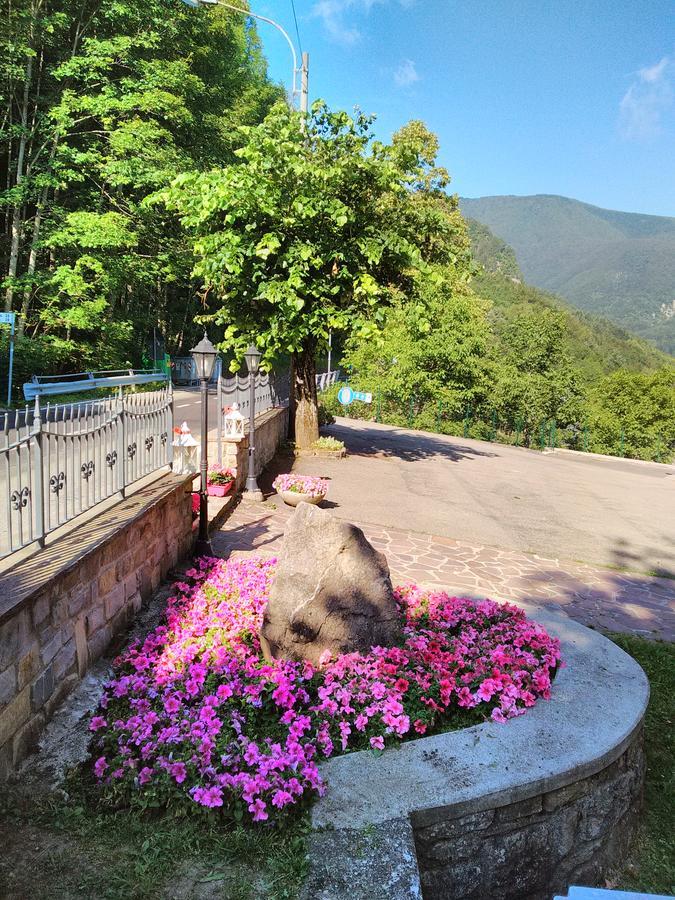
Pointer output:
x,y
308,485
195,715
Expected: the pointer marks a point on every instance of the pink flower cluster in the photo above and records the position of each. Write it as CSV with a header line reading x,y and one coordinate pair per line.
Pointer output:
x,y
310,485
194,713
219,474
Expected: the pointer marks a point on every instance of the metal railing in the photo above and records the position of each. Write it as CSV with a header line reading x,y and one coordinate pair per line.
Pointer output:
x,y
46,385
271,389
327,379
59,461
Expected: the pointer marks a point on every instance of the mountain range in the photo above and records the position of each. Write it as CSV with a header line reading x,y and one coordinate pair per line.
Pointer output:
x,y
615,264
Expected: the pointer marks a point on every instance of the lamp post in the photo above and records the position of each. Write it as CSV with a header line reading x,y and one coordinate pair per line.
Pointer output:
x,y
252,357
204,356
302,70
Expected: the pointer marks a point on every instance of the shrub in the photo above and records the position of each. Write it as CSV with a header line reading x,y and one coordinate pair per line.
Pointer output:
x,y
328,443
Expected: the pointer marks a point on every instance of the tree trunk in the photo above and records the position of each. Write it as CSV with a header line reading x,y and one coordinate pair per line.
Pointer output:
x,y
304,389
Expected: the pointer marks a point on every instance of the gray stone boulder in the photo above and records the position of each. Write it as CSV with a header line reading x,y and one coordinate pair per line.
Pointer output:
x,y
332,591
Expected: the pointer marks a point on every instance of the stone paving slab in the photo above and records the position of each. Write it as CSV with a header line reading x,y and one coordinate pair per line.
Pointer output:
x,y
607,599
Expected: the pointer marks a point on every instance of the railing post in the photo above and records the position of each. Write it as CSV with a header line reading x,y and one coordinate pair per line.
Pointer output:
x,y
219,418
38,475
122,441
169,435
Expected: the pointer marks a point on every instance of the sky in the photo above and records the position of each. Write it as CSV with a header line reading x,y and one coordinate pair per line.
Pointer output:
x,y
570,97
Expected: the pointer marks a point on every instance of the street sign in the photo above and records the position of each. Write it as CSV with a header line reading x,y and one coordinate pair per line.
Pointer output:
x,y
9,318
346,396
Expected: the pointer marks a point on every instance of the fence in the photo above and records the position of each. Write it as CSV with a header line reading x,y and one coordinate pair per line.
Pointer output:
x,y
327,379
59,461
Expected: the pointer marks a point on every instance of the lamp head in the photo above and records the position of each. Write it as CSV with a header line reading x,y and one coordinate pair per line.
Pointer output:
x,y
204,356
253,357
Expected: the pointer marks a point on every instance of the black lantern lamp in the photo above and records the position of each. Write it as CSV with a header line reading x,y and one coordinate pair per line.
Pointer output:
x,y
252,357
204,357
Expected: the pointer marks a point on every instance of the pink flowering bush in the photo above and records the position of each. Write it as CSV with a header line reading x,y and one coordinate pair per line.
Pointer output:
x,y
309,485
195,715
218,474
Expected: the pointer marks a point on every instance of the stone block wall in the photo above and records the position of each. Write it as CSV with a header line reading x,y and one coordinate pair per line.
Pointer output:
x,y
62,608
535,848
271,429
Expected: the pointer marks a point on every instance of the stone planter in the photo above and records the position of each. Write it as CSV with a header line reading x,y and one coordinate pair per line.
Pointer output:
x,y
219,490
292,498
326,454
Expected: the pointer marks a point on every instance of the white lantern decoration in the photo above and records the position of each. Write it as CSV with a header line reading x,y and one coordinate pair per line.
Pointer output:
x,y
233,422
186,454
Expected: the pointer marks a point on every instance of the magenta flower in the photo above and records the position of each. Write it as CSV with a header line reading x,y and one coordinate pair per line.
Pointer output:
x,y
197,701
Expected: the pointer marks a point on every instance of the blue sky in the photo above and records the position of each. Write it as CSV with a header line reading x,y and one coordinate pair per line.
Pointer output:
x,y
571,97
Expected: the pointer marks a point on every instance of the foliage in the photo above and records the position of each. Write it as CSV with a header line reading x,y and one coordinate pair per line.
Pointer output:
x,y
320,228
326,442
491,252
102,103
651,865
633,414
615,264
194,717
218,474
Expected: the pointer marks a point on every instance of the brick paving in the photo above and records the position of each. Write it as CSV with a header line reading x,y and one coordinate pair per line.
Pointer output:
x,y
599,597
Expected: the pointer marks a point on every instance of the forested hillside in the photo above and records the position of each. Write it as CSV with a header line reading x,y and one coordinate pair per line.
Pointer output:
x,y
615,264
101,104
505,361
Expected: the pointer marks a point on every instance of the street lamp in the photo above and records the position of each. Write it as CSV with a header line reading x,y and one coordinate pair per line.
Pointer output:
x,y
252,357
204,357
304,70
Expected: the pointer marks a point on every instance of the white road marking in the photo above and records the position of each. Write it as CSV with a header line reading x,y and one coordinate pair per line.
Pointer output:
x,y
182,405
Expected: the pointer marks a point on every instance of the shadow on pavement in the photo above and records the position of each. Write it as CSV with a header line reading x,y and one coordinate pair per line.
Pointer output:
x,y
393,442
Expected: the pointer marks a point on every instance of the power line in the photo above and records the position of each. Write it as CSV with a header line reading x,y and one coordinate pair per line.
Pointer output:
x,y
297,30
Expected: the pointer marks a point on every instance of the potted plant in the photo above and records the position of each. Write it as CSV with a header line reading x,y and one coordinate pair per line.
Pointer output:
x,y
219,481
294,489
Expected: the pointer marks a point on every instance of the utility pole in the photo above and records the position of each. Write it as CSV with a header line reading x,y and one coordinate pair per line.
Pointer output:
x,y
304,84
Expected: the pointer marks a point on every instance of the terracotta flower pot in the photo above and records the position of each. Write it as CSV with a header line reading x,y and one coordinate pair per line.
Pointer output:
x,y
218,490
292,498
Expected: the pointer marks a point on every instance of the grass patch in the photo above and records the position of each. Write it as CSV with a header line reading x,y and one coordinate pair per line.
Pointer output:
x,y
71,847
651,867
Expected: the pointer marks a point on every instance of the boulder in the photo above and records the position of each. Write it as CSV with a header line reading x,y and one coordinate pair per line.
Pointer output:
x,y
332,591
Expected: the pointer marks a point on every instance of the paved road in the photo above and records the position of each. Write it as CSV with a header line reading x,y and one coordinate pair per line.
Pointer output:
x,y
607,512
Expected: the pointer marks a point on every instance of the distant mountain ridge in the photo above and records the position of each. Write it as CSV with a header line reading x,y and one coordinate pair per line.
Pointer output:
x,y
616,264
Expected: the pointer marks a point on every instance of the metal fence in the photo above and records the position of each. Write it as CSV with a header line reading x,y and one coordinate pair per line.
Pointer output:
x,y
59,461
327,379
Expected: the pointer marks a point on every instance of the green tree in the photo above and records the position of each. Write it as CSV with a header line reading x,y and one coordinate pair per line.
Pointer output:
x,y
313,231
101,103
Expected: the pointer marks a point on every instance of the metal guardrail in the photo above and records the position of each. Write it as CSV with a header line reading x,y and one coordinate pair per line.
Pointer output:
x,y
60,461
326,379
49,385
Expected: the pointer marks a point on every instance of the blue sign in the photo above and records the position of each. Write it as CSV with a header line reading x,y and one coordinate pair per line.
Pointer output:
x,y
345,395
9,318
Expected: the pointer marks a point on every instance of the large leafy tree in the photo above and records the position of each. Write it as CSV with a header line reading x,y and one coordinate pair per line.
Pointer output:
x,y
316,230
101,103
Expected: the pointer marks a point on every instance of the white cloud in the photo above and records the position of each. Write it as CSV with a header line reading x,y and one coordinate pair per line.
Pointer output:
x,y
406,74
338,16
647,99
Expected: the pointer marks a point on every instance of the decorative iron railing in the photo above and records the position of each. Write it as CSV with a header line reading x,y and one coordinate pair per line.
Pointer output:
x,y
59,461
270,390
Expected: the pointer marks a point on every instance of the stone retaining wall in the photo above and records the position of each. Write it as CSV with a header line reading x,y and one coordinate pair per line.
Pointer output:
x,y
61,608
531,849
515,810
271,429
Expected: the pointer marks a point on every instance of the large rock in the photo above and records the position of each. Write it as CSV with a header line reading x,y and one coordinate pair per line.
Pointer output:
x,y
332,591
